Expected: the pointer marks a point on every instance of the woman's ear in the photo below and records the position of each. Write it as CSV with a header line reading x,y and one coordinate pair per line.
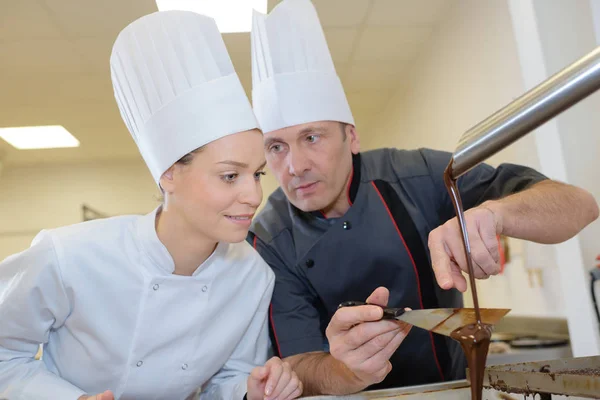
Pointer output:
x,y
166,180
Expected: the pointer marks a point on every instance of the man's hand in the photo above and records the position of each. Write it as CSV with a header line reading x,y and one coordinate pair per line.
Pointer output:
x,y
364,342
107,395
275,380
448,252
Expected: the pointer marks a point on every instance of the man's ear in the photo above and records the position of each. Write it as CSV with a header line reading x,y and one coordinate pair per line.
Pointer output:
x,y
352,134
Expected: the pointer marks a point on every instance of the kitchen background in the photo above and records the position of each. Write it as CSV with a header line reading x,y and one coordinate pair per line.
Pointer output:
x,y
416,73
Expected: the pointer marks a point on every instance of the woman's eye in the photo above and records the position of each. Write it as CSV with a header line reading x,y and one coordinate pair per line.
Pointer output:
x,y
229,178
259,174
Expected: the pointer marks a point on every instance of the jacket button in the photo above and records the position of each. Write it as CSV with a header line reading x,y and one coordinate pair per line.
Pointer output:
x,y
347,225
184,367
139,363
310,263
156,286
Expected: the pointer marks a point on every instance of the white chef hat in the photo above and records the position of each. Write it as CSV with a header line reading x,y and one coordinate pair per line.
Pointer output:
x,y
176,87
293,77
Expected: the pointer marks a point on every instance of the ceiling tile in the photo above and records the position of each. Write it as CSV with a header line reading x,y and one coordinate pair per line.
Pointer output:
x,y
341,41
26,19
338,13
56,88
238,47
341,69
95,53
53,80
390,43
40,56
368,101
97,18
341,13
373,76
407,12
363,121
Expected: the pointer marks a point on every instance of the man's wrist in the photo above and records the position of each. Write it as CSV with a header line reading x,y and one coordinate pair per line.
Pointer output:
x,y
355,383
496,208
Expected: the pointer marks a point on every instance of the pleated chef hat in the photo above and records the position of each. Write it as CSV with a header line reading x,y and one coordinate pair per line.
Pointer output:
x,y
293,76
176,87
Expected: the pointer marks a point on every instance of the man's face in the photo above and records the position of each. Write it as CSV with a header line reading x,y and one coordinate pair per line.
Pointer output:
x,y
312,162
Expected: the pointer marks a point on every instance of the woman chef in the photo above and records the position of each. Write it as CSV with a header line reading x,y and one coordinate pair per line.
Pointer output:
x,y
156,306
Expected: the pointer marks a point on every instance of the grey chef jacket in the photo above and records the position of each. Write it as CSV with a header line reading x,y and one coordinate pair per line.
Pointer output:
x,y
397,197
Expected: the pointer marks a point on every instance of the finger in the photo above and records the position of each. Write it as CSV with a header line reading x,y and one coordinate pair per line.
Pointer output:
x,y
483,264
440,260
379,350
256,381
275,370
453,241
368,350
380,296
380,361
284,379
364,333
295,394
380,374
345,318
106,395
259,373
458,278
489,238
455,247
291,386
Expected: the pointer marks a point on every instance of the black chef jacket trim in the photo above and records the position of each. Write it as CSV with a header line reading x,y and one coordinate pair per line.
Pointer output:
x,y
424,273
272,332
354,179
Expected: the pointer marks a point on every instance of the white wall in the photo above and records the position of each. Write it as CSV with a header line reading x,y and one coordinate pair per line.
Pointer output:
x,y
595,7
35,198
567,34
551,35
469,70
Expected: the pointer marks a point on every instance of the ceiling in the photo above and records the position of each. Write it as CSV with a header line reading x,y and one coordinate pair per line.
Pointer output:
x,y
55,64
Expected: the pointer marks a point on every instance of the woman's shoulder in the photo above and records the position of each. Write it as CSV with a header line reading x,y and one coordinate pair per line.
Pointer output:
x,y
85,240
96,231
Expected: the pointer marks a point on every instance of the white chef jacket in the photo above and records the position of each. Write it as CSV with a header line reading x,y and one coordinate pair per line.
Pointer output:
x,y
102,297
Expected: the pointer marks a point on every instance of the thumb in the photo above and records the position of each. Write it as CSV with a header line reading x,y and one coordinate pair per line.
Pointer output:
x,y
257,381
106,395
380,296
258,374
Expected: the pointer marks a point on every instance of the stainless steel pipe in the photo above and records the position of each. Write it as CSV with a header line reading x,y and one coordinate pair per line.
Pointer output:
x,y
523,115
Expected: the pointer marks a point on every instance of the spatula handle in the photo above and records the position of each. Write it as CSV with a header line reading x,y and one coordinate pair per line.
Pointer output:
x,y
388,313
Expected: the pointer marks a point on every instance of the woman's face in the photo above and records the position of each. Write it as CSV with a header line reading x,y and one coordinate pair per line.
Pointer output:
x,y
216,190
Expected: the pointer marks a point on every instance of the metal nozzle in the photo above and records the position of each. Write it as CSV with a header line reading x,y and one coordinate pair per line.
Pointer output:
x,y
523,115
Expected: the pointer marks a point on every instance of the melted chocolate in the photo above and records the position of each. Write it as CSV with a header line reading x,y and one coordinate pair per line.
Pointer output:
x,y
475,338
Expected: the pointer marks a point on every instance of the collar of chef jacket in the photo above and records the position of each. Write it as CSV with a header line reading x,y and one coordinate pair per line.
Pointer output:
x,y
308,227
156,251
